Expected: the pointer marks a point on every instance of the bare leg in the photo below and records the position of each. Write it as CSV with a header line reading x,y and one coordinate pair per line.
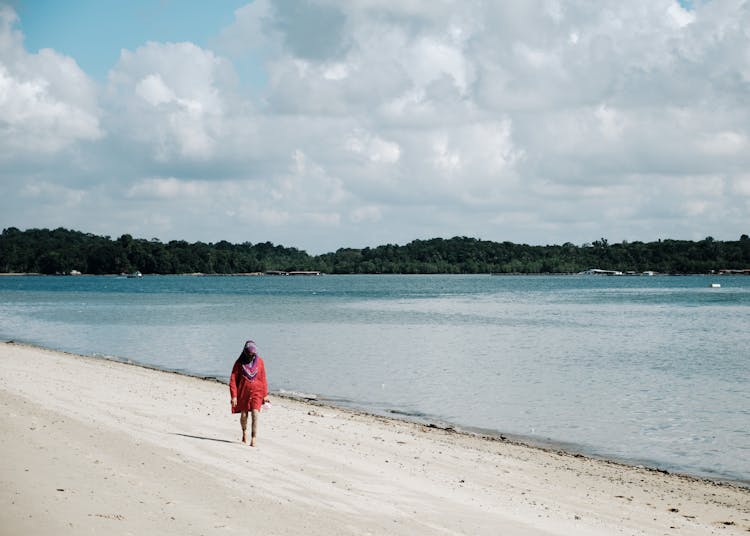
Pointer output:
x,y
243,424
254,427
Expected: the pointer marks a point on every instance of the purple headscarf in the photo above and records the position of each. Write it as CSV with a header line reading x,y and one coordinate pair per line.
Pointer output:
x,y
250,361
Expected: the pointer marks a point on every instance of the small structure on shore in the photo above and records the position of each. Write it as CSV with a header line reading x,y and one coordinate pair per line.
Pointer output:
x,y
597,271
294,272
729,271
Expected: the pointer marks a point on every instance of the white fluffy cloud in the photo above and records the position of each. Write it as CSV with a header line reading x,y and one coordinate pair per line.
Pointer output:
x,y
46,102
368,122
180,92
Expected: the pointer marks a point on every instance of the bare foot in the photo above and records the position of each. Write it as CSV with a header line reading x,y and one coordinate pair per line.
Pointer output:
x,y
252,442
244,437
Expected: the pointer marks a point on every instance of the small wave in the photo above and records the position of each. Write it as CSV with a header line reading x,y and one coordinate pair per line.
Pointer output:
x,y
297,394
405,413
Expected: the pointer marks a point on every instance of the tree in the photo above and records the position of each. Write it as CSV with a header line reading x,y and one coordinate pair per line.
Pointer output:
x,y
61,250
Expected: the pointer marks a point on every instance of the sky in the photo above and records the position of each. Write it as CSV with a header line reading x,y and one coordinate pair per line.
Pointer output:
x,y
321,124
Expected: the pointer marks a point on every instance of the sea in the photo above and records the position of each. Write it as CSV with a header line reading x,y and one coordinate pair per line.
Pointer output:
x,y
651,371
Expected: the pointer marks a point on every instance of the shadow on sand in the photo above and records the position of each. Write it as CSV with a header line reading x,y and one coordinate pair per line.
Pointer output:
x,y
204,438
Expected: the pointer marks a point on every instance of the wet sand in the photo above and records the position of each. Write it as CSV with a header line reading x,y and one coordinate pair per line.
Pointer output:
x,y
91,445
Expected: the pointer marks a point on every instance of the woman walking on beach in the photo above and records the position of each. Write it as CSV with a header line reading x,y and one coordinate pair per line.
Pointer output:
x,y
248,388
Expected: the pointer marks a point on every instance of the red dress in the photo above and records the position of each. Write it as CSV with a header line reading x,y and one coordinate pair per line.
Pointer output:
x,y
249,391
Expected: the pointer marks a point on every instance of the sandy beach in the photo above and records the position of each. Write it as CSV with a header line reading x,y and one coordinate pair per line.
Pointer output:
x,y
92,446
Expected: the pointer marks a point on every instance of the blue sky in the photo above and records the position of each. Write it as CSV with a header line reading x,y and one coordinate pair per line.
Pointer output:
x,y
93,32
322,124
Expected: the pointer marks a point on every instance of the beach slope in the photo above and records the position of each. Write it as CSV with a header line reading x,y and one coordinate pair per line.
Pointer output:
x,y
90,445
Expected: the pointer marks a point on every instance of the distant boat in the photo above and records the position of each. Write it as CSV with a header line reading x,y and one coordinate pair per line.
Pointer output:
x,y
715,285
135,274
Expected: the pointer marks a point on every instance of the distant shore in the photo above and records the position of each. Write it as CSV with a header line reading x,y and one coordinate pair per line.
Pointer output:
x,y
91,445
735,273
64,251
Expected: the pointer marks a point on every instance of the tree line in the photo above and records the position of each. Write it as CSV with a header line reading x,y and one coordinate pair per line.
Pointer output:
x,y
61,251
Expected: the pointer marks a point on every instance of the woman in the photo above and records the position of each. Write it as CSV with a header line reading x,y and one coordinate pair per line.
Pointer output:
x,y
248,388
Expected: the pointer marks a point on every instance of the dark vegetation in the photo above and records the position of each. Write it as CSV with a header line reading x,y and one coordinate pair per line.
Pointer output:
x,y
61,251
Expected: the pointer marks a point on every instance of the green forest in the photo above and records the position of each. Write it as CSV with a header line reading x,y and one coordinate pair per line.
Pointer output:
x,y
62,251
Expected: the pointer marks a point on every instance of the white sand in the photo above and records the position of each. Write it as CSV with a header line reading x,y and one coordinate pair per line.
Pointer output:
x,y
89,446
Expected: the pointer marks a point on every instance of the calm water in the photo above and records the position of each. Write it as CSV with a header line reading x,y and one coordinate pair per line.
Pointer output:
x,y
652,370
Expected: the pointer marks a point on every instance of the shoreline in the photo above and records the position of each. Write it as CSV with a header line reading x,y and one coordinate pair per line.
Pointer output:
x,y
564,448
92,444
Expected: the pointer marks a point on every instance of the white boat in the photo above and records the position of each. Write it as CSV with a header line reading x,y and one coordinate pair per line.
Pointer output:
x,y
715,285
135,274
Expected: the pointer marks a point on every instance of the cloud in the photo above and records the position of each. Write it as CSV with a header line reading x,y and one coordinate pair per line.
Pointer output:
x,y
366,214
60,196
167,188
47,104
725,143
182,92
741,185
325,124
680,16
153,90
300,23
373,148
